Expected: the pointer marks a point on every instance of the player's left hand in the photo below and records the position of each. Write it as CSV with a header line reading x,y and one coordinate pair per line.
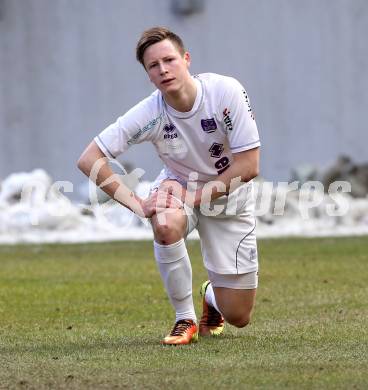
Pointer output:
x,y
174,188
158,202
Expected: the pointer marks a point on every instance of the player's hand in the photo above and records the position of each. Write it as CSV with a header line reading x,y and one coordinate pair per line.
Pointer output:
x,y
158,202
190,198
174,188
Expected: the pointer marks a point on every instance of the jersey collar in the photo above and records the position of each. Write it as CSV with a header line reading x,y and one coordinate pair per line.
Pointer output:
x,y
196,105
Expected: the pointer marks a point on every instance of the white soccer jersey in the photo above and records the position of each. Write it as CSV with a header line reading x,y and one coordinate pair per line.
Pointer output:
x,y
202,140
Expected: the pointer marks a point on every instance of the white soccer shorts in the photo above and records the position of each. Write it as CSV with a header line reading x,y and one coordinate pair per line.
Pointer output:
x,y
228,239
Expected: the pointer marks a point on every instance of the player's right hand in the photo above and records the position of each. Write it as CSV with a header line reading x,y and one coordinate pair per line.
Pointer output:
x,y
160,201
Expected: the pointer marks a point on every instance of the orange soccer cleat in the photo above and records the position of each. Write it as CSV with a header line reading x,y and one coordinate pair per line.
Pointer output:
x,y
184,332
212,322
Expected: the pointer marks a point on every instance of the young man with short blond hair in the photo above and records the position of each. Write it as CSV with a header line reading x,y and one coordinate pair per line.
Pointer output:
x,y
204,131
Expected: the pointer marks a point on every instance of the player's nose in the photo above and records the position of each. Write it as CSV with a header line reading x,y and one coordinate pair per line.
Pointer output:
x,y
163,69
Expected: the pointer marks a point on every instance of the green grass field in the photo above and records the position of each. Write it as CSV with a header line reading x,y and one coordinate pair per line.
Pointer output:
x,y
92,316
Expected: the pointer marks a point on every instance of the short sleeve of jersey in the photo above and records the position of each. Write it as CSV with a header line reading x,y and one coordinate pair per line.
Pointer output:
x,y
238,118
137,125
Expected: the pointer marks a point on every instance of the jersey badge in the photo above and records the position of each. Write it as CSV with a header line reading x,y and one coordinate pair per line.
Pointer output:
x,y
208,125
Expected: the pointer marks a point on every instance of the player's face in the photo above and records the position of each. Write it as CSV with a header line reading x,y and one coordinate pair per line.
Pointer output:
x,y
167,68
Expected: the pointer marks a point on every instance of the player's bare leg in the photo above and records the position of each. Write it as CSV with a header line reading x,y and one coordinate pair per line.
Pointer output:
x,y
235,305
169,228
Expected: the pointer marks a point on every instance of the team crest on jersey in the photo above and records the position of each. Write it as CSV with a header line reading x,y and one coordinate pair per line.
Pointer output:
x,y
208,125
169,130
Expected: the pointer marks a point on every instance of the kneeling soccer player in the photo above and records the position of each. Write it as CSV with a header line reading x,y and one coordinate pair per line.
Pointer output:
x,y
204,131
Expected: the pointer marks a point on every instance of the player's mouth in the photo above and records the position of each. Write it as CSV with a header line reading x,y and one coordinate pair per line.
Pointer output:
x,y
167,81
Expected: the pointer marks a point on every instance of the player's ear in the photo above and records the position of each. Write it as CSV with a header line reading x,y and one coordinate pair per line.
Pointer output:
x,y
187,58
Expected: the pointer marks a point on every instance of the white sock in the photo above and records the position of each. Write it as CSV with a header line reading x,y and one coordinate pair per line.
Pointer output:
x,y
176,273
210,297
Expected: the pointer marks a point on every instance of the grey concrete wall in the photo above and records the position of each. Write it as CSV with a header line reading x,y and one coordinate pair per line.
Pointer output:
x,y
67,70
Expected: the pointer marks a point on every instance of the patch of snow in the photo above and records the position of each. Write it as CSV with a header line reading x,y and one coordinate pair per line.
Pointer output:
x,y
32,210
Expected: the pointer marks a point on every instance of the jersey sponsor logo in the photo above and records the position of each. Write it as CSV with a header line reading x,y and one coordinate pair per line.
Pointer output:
x,y
216,150
143,130
222,164
227,119
169,130
209,125
248,104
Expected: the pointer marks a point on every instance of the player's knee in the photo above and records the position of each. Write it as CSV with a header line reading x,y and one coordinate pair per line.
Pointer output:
x,y
162,231
168,228
240,320
166,232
